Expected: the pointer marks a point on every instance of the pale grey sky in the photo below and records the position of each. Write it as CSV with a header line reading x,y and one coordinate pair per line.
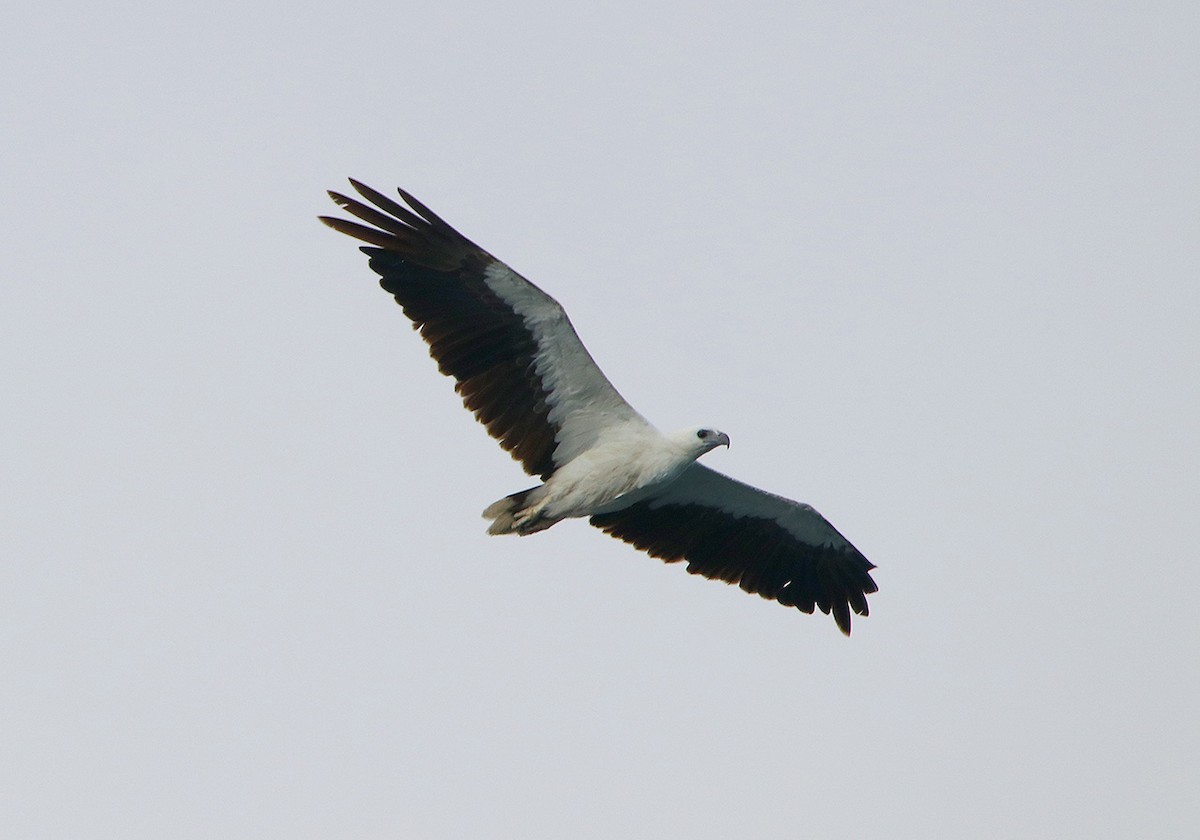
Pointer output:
x,y
933,268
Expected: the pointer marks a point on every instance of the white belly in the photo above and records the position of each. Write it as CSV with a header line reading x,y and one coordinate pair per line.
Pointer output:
x,y
606,478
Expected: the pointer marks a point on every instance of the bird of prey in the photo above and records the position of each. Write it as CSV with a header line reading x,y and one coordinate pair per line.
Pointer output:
x,y
521,368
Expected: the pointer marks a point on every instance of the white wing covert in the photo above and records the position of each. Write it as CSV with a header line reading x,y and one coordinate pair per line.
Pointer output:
x,y
520,367
726,530
518,362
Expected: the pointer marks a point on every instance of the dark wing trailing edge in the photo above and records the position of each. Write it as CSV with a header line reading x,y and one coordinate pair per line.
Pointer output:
x,y
506,342
521,368
769,545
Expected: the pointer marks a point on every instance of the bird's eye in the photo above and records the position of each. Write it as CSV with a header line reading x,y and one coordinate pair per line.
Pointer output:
x,y
702,434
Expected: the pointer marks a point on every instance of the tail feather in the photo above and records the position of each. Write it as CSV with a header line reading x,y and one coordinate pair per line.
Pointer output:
x,y
506,513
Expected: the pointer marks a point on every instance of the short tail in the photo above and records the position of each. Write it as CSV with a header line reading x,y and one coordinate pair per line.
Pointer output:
x,y
519,514
509,515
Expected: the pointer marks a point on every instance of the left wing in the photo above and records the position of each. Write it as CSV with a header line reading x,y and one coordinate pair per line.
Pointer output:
x,y
730,531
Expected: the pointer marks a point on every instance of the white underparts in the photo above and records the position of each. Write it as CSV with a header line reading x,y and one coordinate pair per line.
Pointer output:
x,y
628,464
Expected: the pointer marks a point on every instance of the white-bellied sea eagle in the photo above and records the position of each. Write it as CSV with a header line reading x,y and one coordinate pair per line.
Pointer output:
x,y
521,368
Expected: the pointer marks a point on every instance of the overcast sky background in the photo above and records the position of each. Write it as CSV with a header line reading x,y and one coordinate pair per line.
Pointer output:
x,y
934,269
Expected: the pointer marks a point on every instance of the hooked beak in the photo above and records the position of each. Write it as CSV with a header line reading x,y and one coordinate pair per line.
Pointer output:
x,y
723,439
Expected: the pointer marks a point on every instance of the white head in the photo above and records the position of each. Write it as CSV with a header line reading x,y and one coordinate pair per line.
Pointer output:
x,y
701,439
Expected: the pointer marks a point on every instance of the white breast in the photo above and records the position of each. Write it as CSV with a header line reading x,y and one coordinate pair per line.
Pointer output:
x,y
627,462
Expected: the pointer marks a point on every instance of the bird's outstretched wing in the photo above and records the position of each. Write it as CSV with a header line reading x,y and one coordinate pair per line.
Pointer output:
x,y
730,531
519,365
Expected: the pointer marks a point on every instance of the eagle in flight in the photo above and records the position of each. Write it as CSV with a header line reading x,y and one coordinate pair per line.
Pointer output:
x,y
521,368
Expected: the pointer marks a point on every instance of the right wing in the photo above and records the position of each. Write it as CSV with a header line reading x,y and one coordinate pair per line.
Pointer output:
x,y
519,365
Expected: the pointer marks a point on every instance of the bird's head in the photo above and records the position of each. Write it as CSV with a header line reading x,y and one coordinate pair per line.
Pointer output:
x,y
702,439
